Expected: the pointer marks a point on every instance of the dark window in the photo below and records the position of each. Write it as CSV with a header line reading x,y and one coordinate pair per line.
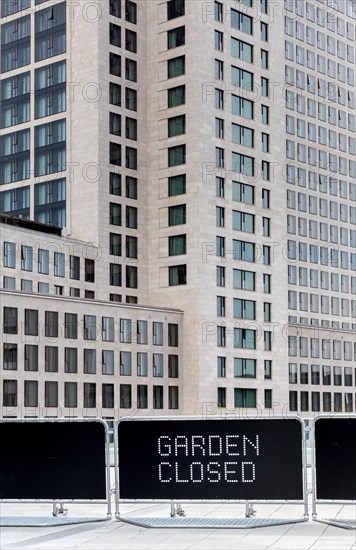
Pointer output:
x,y
10,320
9,393
10,356
115,124
115,244
131,158
51,324
177,185
158,397
31,322
115,8
178,275
175,8
177,245
9,7
125,396
115,35
108,396
115,214
51,359
115,274
176,155
131,12
173,366
31,393
245,398
71,326
115,94
131,70
131,99
74,267
176,126
176,96
142,396
89,361
131,129
115,184
173,397
70,394
131,276
176,66
131,217
115,154
131,187
131,41
89,271
115,64
176,37
89,395
172,335
221,397
31,357
177,215
70,360
89,327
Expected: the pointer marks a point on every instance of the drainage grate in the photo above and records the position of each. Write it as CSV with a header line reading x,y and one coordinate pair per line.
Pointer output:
x,y
343,523
208,523
36,521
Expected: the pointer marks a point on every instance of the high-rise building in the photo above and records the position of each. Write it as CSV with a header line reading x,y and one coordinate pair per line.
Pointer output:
x,y
178,189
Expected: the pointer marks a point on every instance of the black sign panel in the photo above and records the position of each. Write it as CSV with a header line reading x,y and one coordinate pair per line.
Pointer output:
x,y
64,460
210,459
335,454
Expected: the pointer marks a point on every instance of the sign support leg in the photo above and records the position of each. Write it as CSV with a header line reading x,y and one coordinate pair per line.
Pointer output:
x,y
250,511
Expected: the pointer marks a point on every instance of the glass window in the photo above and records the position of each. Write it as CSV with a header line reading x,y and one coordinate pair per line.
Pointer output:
x,y
31,357
125,396
177,215
89,361
244,368
176,155
241,22
177,245
142,396
176,96
142,364
177,185
175,8
125,363
10,356
245,398
89,395
176,126
70,360
51,359
177,275
31,322
158,397
242,50
115,35
176,66
176,37
131,12
70,394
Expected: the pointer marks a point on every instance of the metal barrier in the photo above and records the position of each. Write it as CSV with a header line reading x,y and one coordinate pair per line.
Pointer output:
x,y
57,461
333,465
186,459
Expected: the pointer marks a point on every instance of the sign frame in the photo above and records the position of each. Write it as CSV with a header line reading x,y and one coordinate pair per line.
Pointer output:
x,y
248,503
336,522
106,501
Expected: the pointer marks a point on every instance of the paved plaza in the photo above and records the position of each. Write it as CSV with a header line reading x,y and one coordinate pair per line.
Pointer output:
x,y
113,534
